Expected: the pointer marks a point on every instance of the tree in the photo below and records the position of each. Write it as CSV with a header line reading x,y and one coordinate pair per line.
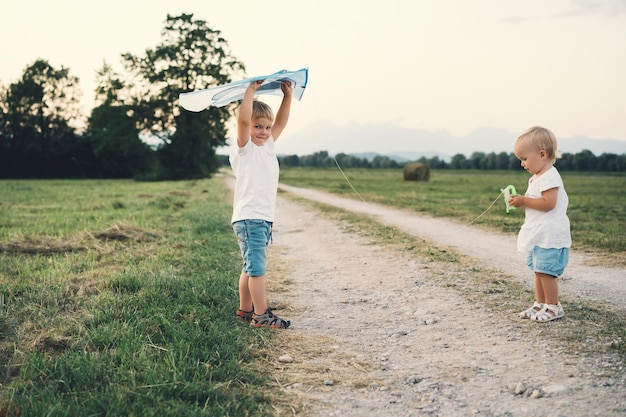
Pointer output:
x,y
436,163
459,161
319,159
584,161
491,161
346,161
191,56
620,163
502,161
565,162
113,130
609,162
40,117
5,127
478,160
117,147
381,161
514,163
289,160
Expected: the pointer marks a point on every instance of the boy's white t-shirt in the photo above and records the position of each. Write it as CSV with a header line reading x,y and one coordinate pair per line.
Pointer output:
x,y
256,172
546,229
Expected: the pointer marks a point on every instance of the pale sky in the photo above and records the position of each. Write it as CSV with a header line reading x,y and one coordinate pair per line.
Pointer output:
x,y
450,65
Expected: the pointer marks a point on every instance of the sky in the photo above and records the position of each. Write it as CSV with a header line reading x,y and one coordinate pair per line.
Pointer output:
x,y
445,65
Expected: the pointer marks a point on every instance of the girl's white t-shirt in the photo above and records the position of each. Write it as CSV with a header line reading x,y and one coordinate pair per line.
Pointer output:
x,y
256,172
546,229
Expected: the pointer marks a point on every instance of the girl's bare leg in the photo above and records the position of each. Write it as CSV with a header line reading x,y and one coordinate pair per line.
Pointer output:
x,y
539,294
550,288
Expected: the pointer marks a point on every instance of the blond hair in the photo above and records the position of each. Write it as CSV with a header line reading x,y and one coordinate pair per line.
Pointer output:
x,y
260,109
541,139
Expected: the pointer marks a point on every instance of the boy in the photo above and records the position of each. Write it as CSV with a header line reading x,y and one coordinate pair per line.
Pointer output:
x,y
255,166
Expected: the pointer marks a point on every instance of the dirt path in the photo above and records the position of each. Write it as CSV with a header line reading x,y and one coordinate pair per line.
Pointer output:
x,y
495,250
395,342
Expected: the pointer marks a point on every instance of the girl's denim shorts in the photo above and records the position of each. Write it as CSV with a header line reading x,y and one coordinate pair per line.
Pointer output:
x,y
253,237
548,261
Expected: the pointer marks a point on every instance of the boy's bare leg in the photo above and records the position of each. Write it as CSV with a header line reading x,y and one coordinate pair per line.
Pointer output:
x,y
245,298
256,286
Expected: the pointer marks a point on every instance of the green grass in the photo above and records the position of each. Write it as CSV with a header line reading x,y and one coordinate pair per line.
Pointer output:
x,y
596,210
118,299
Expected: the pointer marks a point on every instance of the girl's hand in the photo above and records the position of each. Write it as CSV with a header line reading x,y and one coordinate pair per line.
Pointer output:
x,y
517,201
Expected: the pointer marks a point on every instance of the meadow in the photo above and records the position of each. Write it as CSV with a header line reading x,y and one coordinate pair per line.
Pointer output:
x,y
117,297
596,209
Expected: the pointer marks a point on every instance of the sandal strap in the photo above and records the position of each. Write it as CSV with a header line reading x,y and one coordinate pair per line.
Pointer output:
x,y
244,315
552,307
531,311
268,319
555,309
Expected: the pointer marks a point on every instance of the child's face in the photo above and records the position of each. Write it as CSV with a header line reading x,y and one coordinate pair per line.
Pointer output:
x,y
534,161
261,128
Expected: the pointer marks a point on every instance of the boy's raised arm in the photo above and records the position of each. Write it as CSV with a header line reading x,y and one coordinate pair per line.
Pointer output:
x,y
282,116
244,115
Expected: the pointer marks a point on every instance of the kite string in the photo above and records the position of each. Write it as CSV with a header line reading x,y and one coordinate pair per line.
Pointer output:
x,y
349,183
362,199
481,214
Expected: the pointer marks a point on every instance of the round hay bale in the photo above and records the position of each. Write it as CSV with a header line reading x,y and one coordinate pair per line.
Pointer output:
x,y
416,171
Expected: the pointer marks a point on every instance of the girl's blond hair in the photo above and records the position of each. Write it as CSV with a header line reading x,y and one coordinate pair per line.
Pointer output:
x,y
541,139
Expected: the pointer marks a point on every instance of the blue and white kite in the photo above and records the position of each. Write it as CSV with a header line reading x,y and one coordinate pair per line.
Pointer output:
x,y
222,95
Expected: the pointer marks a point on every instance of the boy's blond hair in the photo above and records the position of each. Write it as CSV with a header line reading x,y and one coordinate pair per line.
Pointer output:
x,y
541,139
260,109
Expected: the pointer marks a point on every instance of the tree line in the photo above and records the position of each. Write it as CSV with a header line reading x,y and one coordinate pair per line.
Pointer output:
x,y
136,129
582,161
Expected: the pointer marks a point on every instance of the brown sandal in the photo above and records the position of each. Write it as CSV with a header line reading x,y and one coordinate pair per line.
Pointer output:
x,y
244,315
268,319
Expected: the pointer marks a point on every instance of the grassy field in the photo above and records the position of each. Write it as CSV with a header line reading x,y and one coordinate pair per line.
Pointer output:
x,y
596,210
117,298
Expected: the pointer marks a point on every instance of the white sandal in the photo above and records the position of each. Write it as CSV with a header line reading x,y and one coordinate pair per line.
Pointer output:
x,y
531,312
549,312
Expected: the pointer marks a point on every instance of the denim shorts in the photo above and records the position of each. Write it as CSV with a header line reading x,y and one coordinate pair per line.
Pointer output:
x,y
548,261
253,237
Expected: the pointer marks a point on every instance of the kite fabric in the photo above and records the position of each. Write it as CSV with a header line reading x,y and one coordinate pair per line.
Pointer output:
x,y
222,95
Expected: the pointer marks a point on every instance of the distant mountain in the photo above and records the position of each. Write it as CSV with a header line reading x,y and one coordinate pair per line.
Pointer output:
x,y
410,144
403,157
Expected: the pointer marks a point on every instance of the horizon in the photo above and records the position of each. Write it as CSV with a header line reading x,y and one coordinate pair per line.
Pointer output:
x,y
356,138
